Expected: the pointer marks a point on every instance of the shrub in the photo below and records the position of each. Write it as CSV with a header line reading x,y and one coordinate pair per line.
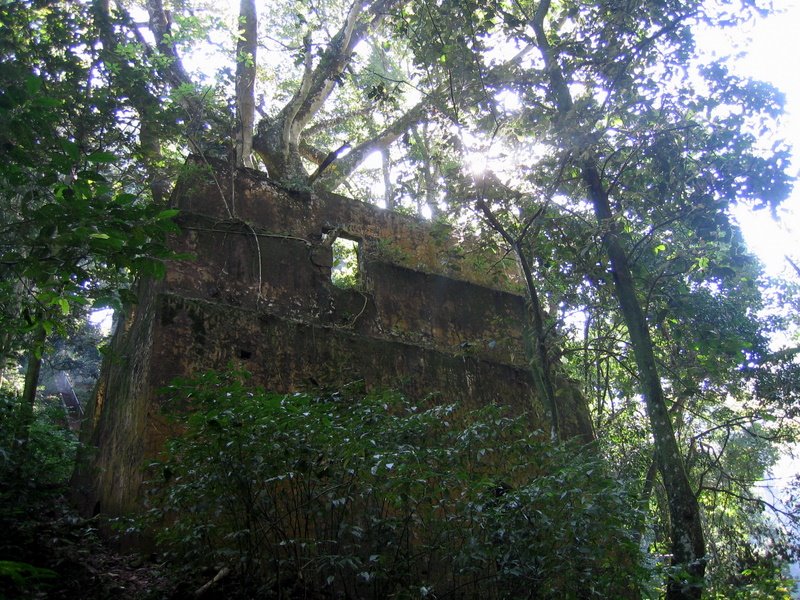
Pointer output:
x,y
370,496
22,576
31,483
49,453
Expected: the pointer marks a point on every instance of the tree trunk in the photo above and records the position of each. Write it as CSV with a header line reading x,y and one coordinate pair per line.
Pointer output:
x,y
140,99
388,188
686,529
246,47
278,141
540,363
429,174
28,399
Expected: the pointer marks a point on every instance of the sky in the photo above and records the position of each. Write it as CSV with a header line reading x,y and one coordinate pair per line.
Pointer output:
x,y
773,55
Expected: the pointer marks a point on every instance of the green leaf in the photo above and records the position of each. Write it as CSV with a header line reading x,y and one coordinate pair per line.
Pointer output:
x,y
102,157
48,326
33,85
71,149
47,102
125,198
150,267
108,301
167,214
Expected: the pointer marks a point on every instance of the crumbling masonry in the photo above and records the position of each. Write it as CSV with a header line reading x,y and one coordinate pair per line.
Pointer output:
x,y
259,294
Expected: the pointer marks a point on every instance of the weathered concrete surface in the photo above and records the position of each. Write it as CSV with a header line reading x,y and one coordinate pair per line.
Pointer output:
x,y
259,294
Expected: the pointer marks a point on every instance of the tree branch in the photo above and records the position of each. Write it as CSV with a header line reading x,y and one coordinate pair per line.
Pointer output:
x,y
162,30
278,141
793,264
540,363
344,167
340,118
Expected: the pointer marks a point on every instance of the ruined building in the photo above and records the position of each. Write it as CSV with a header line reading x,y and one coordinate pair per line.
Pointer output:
x,y
259,294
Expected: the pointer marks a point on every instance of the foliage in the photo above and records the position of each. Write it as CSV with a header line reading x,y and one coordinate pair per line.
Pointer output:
x,y
46,550
345,270
78,355
52,448
27,487
74,228
750,552
623,196
95,104
23,576
373,496
69,234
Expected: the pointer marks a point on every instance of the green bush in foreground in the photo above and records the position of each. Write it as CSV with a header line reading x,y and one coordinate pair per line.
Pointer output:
x,y
358,496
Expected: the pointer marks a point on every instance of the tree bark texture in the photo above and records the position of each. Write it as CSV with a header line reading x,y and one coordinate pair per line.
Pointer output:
x,y
246,49
278,140
686,528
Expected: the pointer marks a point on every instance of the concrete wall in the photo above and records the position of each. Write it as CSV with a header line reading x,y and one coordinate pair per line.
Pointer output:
x,y
259,294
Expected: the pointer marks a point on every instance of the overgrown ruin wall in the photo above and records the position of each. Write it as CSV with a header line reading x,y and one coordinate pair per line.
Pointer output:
x,y
259,294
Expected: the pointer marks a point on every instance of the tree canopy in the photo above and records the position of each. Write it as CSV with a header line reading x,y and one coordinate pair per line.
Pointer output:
x,y
590,140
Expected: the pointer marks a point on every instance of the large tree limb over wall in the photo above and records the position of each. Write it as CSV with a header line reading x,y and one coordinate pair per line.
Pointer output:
x,y
277,140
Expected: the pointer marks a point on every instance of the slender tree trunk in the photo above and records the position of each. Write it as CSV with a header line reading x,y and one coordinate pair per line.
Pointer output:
x,y
388,188
5,350
141,100
686,529
28,399
150,145
540,363
428,168
542,369
246,47
793,264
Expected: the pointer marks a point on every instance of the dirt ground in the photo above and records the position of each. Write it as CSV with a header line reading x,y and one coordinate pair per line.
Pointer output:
x,y
47,551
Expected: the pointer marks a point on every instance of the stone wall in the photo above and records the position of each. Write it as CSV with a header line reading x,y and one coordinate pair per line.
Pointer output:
x,y
259,294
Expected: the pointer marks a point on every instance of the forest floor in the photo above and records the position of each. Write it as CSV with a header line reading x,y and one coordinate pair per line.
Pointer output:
x,y
48,552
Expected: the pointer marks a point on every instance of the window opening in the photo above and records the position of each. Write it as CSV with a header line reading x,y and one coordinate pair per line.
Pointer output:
x,y
344,272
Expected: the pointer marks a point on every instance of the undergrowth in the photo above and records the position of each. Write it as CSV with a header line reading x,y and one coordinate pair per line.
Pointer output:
x,y
352,495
